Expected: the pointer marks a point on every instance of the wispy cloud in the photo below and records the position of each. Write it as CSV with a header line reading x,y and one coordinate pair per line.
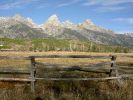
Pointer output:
x,y
68,3
107,5
109,9
13,4
42,6
39,4
8,4
124,20
116,2
91,2
106,2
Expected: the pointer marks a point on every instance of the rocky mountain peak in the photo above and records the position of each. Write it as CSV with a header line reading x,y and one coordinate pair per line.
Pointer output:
x,y
88,22
52,26
53,20
69,24
28,21
31,23
53,17
18,17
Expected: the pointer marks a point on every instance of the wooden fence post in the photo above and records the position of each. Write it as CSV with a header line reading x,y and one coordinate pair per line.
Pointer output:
x,y
32,73
113,64
113,59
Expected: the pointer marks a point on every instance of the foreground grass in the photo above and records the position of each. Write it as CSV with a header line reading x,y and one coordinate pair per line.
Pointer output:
x,y
67,90
70,90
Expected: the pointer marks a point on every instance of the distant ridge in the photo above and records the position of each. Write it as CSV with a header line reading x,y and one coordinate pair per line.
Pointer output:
x,y
24,28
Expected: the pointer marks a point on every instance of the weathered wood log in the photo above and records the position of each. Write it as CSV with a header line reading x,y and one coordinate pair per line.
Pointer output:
x,y
14,58
125,67
13,69
15,79
70,56
58,79
15,72
127,76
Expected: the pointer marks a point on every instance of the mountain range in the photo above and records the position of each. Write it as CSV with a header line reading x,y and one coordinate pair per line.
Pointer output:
x,y
18,27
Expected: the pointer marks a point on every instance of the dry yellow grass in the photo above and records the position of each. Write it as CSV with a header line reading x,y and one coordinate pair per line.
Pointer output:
x,y
49,53
60,53
121,58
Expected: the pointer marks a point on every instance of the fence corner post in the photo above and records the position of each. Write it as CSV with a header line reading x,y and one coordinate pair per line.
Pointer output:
x,y
113,60
32,73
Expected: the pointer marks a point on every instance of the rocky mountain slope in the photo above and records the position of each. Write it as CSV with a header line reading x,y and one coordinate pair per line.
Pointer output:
x,y
129,34
20,27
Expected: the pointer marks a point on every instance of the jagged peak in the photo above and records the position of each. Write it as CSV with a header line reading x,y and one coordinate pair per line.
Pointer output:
x,y
53,20
29,20
68,22
18,17
88,22
53,17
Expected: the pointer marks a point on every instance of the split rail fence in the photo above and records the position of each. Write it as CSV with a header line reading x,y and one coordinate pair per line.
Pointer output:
x,y
112,70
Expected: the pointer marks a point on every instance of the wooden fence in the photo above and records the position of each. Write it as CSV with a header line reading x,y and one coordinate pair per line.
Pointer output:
x,y
112,70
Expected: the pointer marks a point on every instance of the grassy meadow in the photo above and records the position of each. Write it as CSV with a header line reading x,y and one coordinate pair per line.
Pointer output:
x,y
67,90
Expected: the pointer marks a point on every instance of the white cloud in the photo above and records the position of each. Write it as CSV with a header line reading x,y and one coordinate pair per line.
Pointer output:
x,y
20,3
124,20
116,2
109,9
68,3
42,6
12,4
105,2
92,2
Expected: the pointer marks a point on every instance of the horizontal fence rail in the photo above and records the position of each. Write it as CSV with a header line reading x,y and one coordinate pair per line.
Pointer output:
x,y
15,58
65,79
16,79
70,56
108,67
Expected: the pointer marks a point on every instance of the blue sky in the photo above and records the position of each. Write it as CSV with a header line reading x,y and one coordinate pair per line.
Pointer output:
x,y
116,15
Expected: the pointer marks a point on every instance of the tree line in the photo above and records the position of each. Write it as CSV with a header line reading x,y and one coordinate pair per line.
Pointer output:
x,y
52,44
